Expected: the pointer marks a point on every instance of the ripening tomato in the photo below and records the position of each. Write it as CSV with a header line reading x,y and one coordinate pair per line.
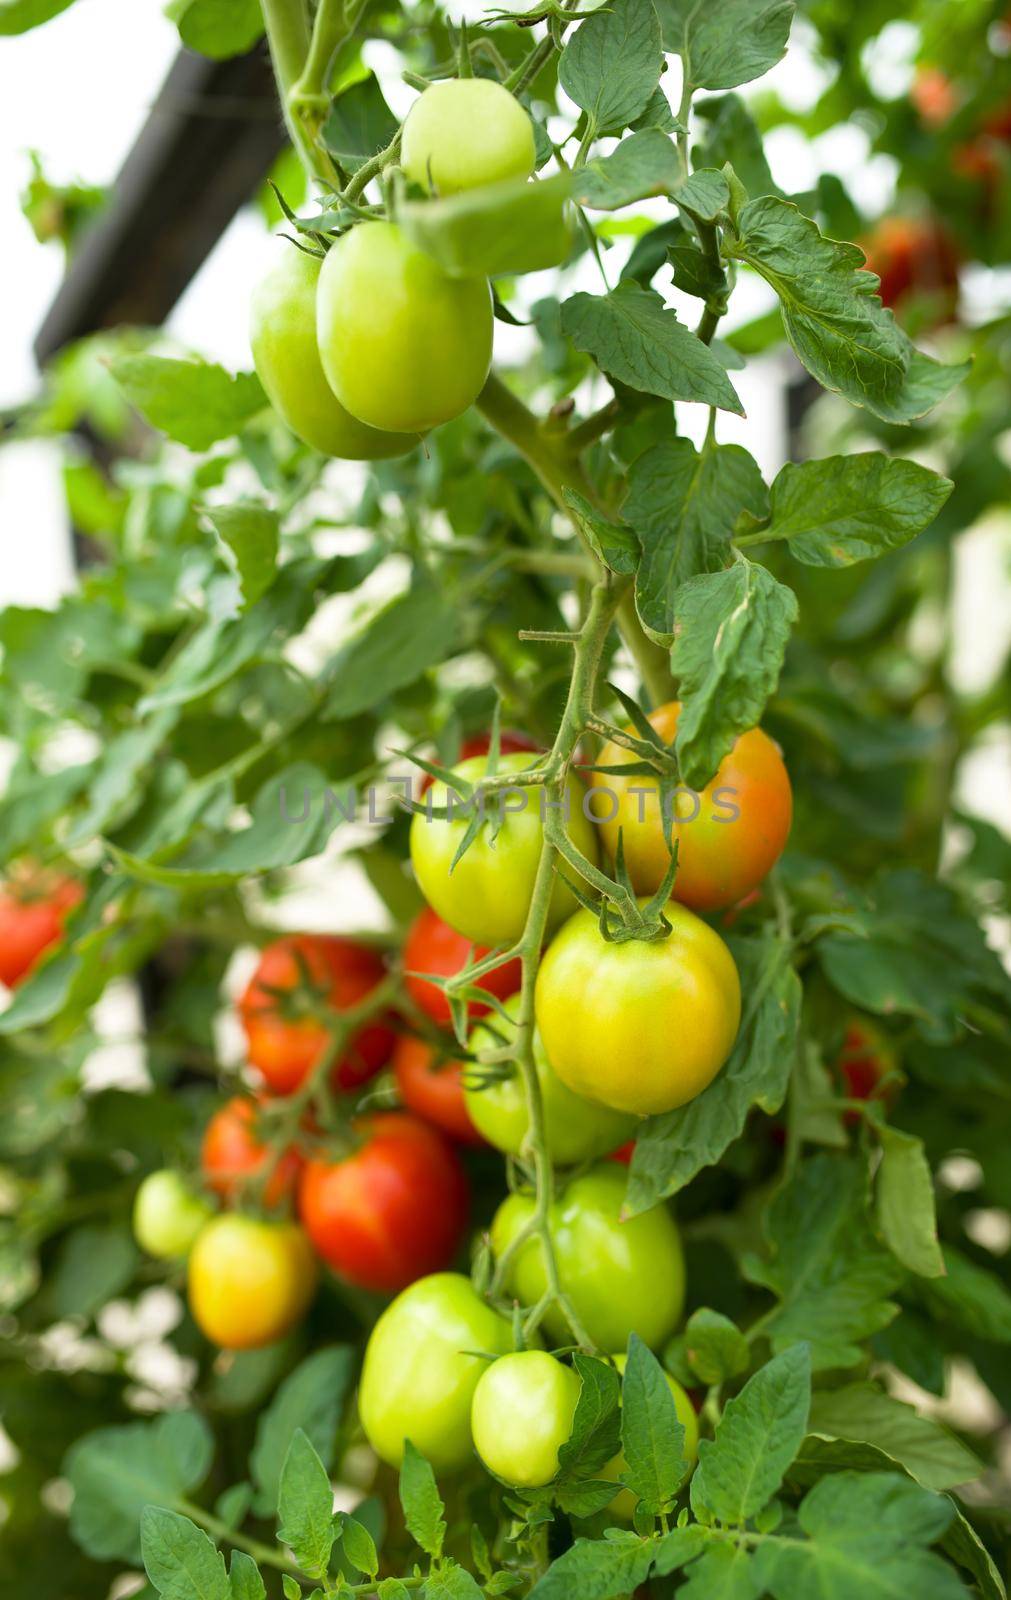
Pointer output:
x,y
478,744
913,255
286,356
298,980
933,94
34,907
432,1088
622,1277
390,1212
433,946
249,1281
639,1026
168,1215
575,1129
404,346
729,835
486,895
521,1415
867,1065
420,1372
231,1155
465,132
624,1503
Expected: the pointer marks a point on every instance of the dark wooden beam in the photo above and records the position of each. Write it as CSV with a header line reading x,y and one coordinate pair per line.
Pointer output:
x,y
212,136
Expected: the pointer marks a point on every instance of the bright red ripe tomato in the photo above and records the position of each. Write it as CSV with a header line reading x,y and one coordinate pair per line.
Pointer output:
x,y
865,1061
509,742
433,946
393,1210
231,1154
33,910
433,1089
298,980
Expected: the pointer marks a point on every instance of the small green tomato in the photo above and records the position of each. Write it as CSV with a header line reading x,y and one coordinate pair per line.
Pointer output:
x,y
522,1415
167,1215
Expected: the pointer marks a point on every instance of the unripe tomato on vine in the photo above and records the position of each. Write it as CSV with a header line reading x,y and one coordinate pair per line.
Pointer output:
x,y
231,1156
575,1129
433,946
521,1415
249,1281
478,744
34,907
640,1026
300,982
729,834
404,347
168,1215
286,356
432,1087
622,1277
466,132
486,895
391,1211
420,1370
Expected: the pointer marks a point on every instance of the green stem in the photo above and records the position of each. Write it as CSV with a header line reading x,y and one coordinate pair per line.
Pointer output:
x,y
373,167
263,1554
287,26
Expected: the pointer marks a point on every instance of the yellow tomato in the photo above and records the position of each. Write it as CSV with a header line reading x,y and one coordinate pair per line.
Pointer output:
x,y
250,1281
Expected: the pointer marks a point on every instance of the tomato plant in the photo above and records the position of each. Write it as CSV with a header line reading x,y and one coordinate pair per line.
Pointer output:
x,y
391,1211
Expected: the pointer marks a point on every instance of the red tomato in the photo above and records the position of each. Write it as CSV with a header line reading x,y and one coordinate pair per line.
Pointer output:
x,y
865,1060
509,742
433,946
33,910
393,1210
624,1153
934,97
231,1153
433,1089
298,979
913,255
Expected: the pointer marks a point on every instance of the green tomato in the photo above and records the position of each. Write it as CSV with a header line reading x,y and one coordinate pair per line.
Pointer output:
x,y
465,132
624,1503
167,1215
403,346
575,1129
286,355
522,1415
418,1381
487,894
621,1277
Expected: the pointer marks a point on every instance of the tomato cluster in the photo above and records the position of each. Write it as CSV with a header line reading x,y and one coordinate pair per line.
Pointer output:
x,y
34,907
365,351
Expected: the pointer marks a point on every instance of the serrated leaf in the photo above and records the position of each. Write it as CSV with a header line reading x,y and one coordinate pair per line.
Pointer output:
x,y
757,1438
970,1297
497,230
616,546
640,166
305,1507
359,124
866,1416
729,44
424,1512
906,1211
116,1472
194,402
714,1347
652,1434
398,643
250,534
611,64
704,194
596,1428
358,1545
635,338
449,1581
852,508
723,1572
730,634
244,1579
596,1569
310,1399
182,1562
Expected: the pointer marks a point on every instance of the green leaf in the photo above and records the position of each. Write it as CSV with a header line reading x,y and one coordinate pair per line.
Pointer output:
x,y
723,1572
970,1297
633,337
827,1269
964,1545
116,1472
611,64
305,1507
95,1263
643,165
670,1149
359,124
17,16
358,1545
833,318
250,535
616,546
853,508
714,1347
217,28
395,646
704,195
596,1569
652,1434
729,44
864,1415
683,504
730,135
244,1579
866,1538
905,1203
194,402
596,1423
730,635
757,1438
497,230
180,1559
424,1512
309,1400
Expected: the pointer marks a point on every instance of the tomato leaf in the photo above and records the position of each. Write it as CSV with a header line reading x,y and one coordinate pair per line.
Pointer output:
x,y
861,1418
844,509
217,28
244,1580
359,124
714,1347
611,64
305,1507
498,230
310,1401
596,1569
652,1433
905,1203
116,1472
249,535
596,1428
644,164
424,1512
17,16
616,546
194,402
757,1438
181,1560
731,44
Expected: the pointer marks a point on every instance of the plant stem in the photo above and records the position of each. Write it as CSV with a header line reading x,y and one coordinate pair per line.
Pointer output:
x,y
308,99
287,26
263,1554
373,167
